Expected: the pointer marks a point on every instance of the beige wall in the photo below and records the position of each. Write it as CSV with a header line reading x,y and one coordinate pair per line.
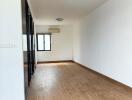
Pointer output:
x,y
62,44
103,40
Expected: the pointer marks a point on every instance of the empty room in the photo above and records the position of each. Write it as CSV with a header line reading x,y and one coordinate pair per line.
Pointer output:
x,y
66,50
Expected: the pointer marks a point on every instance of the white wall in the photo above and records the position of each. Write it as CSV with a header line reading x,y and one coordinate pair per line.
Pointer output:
x,y
11,58
61,46
103,41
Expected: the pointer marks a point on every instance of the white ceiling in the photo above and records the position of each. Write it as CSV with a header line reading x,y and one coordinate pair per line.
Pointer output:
x,y
45,12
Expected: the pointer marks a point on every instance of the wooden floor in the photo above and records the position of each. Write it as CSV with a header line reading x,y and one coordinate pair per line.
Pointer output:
x,y
69,81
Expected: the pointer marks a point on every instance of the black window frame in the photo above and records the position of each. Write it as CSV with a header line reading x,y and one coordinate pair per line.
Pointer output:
x,y
43,40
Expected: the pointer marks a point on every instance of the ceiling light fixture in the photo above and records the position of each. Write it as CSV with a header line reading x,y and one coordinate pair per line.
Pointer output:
x,y
59,19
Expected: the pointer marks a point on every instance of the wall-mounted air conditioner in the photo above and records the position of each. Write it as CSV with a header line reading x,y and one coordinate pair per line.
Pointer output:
x,y
54,30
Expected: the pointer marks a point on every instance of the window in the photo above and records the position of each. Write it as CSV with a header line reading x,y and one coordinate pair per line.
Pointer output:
x,y
44,42
24,42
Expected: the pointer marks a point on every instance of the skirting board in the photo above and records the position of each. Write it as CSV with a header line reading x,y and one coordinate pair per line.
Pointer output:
x,y
60,61
106,77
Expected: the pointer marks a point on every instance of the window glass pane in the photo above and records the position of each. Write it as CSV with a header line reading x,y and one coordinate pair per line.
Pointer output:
x,y
40,42
47,42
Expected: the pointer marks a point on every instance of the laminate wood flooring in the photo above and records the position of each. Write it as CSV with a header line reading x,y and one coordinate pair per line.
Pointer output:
x,y
70,81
